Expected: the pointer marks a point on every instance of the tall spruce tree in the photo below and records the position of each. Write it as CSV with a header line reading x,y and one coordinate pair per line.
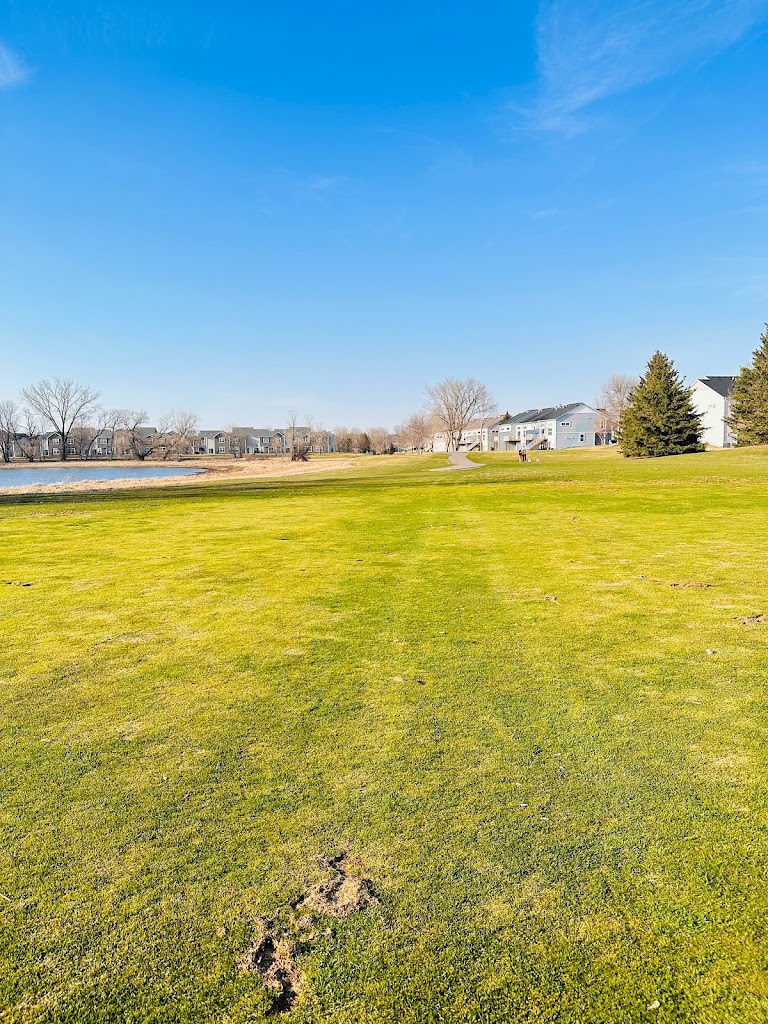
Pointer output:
x,y
660,418
749,406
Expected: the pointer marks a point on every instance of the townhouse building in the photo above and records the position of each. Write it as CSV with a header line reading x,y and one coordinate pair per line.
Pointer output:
x,y
556,427
711,397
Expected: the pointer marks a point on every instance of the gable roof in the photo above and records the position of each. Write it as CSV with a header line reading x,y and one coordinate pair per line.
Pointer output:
x,y
487,423
722,385
552,412
520,417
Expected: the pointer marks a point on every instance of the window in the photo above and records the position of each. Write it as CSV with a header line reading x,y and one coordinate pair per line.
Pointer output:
x,y
566,423
581,437
549,431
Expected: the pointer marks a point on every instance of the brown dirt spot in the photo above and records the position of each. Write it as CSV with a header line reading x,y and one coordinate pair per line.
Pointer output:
x,y
271,957
345,892
17,583
550,597
750,620
680,586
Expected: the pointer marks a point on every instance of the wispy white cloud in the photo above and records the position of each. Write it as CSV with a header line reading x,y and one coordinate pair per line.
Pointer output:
x,y
545,213
589,50
13,70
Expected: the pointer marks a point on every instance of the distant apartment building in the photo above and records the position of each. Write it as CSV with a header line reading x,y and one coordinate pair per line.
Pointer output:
x,y
712,401
210,442
265,441
322,442
556,427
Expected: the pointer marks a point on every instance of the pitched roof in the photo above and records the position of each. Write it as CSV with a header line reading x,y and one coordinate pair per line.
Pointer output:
x,y
551,412
722,385
487,423
209,433
524,417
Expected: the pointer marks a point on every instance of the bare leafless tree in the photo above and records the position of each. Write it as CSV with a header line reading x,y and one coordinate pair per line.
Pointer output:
x,y
277,443
61,402
381,440
28,438
84,435
235,440
300,437
415,434
135,439
345,438
113,421
613,401
422,430
10,414
453,403
178,428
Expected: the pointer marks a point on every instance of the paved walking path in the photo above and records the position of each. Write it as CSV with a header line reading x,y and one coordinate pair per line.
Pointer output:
x,y
458,460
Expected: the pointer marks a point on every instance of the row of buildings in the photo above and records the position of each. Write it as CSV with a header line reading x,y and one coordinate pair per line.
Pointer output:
x,y
85,442
263,441
579,425
565,426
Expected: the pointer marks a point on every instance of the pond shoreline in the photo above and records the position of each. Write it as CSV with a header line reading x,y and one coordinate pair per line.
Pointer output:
x,y
201,472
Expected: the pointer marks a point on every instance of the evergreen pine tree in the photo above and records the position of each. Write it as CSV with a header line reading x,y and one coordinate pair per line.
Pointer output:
x,y
749,407
660,418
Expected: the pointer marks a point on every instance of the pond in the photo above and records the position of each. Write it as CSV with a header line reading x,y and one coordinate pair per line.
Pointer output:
x,y
68,474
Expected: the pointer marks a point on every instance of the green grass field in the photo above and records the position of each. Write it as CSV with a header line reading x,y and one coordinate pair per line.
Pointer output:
x,y
562,805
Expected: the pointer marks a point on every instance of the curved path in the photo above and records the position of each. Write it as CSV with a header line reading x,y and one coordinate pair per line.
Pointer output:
x,y
458,460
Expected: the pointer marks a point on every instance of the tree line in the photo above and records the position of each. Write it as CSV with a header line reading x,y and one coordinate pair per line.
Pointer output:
x,y
72,412
412,435
649,416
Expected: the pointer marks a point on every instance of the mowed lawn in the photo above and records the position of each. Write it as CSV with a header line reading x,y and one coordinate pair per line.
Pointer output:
x,y
549,759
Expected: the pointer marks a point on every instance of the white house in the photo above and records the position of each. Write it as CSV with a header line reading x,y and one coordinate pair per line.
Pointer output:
x,y
712,401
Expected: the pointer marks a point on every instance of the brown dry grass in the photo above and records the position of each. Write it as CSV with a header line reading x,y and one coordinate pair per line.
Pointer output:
x,y
241,469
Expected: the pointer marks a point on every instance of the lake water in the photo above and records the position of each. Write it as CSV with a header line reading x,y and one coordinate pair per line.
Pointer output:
x,y
68,474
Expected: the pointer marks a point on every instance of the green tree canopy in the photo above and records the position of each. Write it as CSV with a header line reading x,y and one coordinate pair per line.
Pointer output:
x,y
660,418
749,408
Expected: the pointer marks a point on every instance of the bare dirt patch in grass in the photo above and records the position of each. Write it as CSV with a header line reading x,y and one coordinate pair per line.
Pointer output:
x,y
271,956
685,585
750,620
346,892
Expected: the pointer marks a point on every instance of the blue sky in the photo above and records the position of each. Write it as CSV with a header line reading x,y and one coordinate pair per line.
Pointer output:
x,y
245,208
